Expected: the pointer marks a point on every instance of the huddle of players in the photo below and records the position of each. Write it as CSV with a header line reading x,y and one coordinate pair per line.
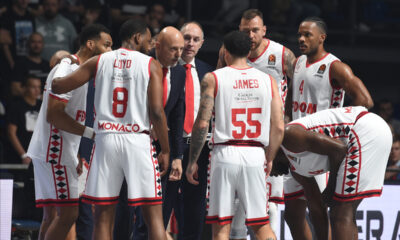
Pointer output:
x,y
244,103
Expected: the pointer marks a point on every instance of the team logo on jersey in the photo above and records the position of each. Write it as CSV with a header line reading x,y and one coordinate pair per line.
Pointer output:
x,y
271,59
321,69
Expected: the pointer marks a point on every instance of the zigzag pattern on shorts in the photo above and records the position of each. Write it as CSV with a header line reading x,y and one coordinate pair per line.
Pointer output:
x,y
208,181
352,168
336,98
158,176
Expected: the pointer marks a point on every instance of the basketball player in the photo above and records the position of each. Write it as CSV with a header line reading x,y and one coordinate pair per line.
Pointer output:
x,y
54,147
247,113
128,96
352,144
319,82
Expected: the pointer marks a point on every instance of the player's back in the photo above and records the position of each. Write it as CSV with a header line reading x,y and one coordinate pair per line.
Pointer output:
x,y
242,105
121,81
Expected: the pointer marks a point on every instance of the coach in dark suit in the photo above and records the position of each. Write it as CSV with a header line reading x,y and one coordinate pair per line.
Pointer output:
x,y
194,203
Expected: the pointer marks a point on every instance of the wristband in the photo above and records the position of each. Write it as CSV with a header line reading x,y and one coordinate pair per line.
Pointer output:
x,y
23,156
88,133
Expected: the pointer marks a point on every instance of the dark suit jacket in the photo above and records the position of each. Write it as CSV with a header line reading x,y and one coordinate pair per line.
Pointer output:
x,y
175,111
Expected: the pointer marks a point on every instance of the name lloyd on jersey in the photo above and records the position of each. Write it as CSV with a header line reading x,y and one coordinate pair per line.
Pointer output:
x,y
246,83
122,63
118,127
304,107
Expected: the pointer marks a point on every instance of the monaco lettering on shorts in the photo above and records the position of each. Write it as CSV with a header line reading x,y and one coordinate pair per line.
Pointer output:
x,y
122,63
304,107
119,127
245,83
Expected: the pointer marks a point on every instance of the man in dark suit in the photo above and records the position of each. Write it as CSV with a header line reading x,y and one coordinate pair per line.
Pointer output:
x,y
168,50
194,203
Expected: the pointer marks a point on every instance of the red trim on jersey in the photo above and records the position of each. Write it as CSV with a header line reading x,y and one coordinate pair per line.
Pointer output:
x,y
239,68
54,180
265,49
360,157
295,62
48,146
66,179
79,60
309,64
95,73
216,84
58,98
151,59
360,116
257,221
328,125
154,168
272,90
357,196
144,201
219,220
330,76
294,195
283,61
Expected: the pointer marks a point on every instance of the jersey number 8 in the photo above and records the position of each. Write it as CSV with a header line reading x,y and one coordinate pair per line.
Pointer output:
x,y
120,97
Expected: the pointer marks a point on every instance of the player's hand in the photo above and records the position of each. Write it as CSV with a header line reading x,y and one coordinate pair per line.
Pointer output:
x,y
26,160
268,168
163,162
327,194
176,170
191,174
79,168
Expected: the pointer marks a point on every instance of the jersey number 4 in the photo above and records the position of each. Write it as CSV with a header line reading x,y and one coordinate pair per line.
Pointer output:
x,y
120,98
242,125
301,88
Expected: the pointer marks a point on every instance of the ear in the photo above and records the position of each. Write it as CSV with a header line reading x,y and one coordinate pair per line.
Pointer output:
x,y
136,38
264,28
90,44
322,38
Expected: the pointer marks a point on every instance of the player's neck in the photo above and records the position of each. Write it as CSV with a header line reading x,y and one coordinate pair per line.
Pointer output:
x,y
239,63
260,49
318,55
187,59
127,45
83,55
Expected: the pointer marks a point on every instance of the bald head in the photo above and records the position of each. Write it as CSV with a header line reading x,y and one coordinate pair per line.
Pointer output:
x,y
169,46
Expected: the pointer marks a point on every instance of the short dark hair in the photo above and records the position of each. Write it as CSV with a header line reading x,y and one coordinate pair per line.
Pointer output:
x,y
132,27
24,83
319,22
91,32
33,34
237,43
252,13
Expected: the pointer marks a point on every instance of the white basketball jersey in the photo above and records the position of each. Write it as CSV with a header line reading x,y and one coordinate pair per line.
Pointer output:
x,y
49,143
121,81
242,105
271,61
312,87
335,123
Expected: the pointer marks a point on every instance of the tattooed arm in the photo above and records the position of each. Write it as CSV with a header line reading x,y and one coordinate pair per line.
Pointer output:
x,y
200,127
289,62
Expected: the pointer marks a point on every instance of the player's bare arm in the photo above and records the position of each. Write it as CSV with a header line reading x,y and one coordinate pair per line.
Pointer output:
x,y
343,76
277,126
157,115
316,206
57,116
289,62
200,127
77,78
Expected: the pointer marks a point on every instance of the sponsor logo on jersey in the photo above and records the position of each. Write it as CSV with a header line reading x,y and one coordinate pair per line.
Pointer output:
x,y
119,127
80,116
321,69
271,59
304,107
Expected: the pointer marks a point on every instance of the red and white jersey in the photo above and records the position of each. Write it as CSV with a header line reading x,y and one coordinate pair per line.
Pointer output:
x,y
242,107
312,87
120,102
271,61
335,123
49,143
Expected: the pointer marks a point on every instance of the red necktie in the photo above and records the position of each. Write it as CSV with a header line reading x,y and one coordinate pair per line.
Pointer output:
x,y
165,85
189,99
